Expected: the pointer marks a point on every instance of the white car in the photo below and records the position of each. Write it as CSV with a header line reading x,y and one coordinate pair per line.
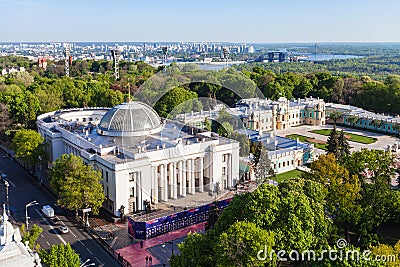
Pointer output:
x,y
63,229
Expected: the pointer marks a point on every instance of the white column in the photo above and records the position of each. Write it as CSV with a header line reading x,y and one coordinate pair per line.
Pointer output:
x,y
228,171
180,177
189,175
139,189
184,178
193,188
155,184
174,187
201,174
165,181
162,197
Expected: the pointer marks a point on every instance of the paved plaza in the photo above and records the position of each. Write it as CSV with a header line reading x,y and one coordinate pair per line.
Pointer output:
x,y
159,248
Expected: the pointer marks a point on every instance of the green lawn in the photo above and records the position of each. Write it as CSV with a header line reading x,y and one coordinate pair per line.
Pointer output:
x,y
303,139
287,175
351,137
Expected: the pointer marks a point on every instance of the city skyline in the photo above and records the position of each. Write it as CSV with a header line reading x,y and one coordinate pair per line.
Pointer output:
x,y
209,21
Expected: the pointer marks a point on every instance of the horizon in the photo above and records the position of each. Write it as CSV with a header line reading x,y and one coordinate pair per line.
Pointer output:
x,y
309,21
222,42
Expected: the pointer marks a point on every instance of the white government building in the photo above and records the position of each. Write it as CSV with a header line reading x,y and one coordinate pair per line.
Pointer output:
x,y
141,157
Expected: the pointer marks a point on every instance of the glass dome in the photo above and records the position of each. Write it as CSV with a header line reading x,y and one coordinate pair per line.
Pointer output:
x,y
130,119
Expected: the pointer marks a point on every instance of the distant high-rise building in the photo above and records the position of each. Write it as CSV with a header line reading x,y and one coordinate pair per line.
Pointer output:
x,y
116,54
250,49
67,58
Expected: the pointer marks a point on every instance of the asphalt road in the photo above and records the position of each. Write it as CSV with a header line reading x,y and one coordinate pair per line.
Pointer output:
x,y
23,190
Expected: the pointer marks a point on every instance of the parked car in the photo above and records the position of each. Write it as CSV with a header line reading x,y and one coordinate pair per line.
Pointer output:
x,y
55,221
63,229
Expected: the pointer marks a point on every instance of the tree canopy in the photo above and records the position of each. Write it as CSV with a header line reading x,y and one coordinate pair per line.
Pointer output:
x,y
60,255
28,146
78,185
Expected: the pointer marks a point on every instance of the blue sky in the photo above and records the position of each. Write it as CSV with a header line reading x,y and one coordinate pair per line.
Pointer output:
x,y
247,21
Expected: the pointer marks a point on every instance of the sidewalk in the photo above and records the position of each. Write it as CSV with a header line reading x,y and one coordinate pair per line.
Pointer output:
x,y
136,255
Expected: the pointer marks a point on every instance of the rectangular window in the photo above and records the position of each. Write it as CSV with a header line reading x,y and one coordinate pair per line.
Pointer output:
x,y
107,191
133,176
132,192
224,158
223,171
107,176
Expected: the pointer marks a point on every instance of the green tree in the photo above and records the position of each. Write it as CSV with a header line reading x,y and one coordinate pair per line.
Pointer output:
x,y
225,130
212,216
240,244
224,116
379,203
344,147
196,250
207,124
335,116
23,107
177,100
262,166
5,120
333,142
32,235
49,99
28,146
292,212
343,190
244,143
78,185
387,250
22,79
60,255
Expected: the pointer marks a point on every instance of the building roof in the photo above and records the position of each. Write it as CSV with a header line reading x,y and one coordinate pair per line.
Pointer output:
x,y
130,119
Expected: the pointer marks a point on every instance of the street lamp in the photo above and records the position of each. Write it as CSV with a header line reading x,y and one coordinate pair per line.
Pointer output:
x,y
40,169
169,242
26,212
8,202
85,265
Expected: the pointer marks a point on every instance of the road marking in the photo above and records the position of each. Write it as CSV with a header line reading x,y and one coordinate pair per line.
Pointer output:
x,y
48,243
98,260
89,251
51,227
41,235
72,232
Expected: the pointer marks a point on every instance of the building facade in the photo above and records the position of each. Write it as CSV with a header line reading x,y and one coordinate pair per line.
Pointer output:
x,y
267,115
142,158
363,119
285,154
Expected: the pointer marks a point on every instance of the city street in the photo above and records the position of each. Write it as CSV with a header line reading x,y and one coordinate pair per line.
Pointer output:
x,y
23,190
